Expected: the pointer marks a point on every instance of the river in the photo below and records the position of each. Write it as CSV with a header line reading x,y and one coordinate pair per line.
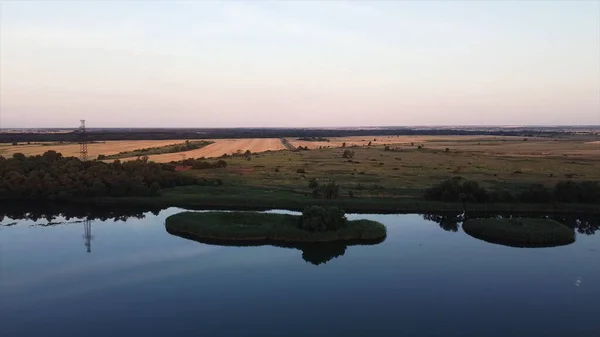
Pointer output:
x,y
129,277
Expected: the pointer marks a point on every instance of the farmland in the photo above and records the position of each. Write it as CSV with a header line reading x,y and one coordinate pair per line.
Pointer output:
x,y
581,147
383,176
394,180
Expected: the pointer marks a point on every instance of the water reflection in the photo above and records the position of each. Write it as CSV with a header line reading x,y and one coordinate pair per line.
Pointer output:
x,y
52,211
314,253
586,224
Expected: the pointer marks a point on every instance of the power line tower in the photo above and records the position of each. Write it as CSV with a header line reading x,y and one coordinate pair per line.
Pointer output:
x,y
83,152
87,234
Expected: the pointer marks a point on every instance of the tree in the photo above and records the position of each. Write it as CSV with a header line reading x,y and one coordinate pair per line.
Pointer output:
x,y
344,144
348,154
320,219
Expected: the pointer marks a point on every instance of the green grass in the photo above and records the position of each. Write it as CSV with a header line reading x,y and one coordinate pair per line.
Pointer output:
x,y
520,232
247,226
270,179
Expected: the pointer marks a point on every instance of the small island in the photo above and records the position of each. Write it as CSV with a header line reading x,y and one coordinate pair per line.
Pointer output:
x,y
316,224
520,232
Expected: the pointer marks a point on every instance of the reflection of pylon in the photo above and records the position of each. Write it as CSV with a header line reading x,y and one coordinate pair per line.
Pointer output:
x,y
87,229
83,153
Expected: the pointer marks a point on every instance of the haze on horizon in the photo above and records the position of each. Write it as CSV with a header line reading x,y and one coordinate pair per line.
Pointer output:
x,y
298,64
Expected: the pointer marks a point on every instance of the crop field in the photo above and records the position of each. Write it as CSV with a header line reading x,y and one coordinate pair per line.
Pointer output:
x,y
72,149
496,146
224,146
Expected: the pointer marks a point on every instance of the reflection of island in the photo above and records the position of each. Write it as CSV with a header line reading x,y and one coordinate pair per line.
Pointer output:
x,y
520,232
314,253
586,224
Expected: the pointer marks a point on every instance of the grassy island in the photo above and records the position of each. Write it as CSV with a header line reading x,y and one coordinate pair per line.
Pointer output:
x,y
249,226
520,232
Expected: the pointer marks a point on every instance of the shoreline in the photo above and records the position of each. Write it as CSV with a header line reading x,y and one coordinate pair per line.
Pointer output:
x,y
357,206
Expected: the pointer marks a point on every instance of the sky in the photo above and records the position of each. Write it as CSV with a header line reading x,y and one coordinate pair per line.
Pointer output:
x,y
299,64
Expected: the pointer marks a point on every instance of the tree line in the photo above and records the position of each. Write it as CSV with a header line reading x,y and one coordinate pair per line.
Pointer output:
x,y
459,190
52,176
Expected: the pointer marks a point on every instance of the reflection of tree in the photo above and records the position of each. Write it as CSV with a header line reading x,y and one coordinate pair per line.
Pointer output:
x,y
50,211
586,224
447,221
322,252
314,253
583,224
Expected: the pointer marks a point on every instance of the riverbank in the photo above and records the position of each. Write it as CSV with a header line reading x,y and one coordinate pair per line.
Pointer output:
x,y
258,199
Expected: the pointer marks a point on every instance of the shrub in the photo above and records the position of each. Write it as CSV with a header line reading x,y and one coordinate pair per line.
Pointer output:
x,y
300,170
348,154
101,157
447,149
455,190
313,183
321,219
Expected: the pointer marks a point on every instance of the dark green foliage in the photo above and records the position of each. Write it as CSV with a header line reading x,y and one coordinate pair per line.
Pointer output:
x,y
321,219
101,157
572,192
456,190
348,154
536,193
199,164
51,176
313,183
314,139
520,232
249,226
329,191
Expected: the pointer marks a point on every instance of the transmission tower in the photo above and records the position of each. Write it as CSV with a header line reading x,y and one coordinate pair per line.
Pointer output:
x,y
87,234
83,153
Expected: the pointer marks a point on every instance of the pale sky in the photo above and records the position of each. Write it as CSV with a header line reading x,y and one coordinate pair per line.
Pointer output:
x,y
320,63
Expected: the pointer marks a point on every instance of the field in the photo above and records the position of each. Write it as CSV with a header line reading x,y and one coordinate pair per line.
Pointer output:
x,y
220,147
94,149
566,147
379,180
224,146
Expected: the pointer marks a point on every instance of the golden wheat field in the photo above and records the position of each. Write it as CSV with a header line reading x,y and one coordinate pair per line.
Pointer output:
x,y
94,149
487,145
224,146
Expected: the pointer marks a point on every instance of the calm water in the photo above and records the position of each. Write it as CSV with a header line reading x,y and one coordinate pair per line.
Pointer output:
x,y
421,281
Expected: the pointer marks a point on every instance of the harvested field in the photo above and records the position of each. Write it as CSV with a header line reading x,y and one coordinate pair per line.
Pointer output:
x,y
383,140
224,146
94,149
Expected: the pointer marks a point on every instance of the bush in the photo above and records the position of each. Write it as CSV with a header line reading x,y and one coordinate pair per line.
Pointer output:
x,y
348,154
321,219
101,157
455,190
329,191
300,170
313,183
